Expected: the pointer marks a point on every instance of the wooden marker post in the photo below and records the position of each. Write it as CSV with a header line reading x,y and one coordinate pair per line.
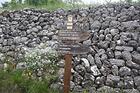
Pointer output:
x,y
68,46
68,61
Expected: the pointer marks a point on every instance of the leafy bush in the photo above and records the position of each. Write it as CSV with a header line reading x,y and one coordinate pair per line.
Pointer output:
x,y
15,82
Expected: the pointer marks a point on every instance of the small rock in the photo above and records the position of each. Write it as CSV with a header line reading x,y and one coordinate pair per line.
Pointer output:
x,y
95,71
118,54
137,81
117,62
114,31
91,60
112,80
126,55
128,82
124,71
87,42
85,61
105,89
21,66
136,58
115,70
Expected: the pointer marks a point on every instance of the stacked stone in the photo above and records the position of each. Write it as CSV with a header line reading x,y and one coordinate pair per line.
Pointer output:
x,y
114,59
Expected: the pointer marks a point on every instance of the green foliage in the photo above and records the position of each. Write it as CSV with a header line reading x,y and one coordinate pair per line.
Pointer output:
x,y
15,82
128,1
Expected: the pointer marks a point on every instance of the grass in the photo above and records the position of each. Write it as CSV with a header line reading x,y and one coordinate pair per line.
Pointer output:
x,y
15,82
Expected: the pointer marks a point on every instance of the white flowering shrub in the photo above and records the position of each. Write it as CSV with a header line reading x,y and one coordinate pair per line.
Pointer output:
x,y
41,59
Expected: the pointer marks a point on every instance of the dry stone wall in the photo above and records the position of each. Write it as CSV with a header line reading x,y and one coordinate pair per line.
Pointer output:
x,y
114,57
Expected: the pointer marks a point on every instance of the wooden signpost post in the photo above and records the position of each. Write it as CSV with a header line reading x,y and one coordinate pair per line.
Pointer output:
x,y
69,45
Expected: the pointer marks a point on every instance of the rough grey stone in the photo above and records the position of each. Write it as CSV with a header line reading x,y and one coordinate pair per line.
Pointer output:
x,y
96,25
136,58
117,62
126,55
87,42
21,66
124,71
112,80
95,71
114,32
128,82
130,91
118,54
100,80
85,61
137,81
115,70
106,89
91,60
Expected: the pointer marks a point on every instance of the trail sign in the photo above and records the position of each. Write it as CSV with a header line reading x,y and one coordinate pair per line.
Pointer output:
x,y
76,36
69,45
73,49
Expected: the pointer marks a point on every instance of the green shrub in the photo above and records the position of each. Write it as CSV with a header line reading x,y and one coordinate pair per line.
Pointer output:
x,y
15,82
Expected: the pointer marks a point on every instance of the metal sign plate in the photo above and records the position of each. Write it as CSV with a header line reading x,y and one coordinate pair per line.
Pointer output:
x,y
73,49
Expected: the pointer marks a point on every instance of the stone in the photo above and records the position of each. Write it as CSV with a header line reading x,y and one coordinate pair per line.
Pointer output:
x,y
126,55
101,51
130,25
118,54
114,32
96,25
61,63
110,53
133,43
103,57
108,37
91,60
105,89
105,70
24,39
95,71
80,69
115,70
117,62
124,48
1,66
87,42
136,58
119,48
77,89
21,66
100,80
128,82
34,29
98,61
85,61
101,37
130,91
138,49
112,80
127,48
137,81
124,71
103,44
77,78
131,65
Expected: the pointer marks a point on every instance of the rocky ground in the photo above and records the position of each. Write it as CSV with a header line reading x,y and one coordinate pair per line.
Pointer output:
x,y
113,62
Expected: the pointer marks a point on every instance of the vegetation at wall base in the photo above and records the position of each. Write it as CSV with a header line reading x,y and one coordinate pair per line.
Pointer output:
x,y
15,82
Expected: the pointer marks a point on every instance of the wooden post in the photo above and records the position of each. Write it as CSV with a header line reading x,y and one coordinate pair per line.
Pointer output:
x,y
67,73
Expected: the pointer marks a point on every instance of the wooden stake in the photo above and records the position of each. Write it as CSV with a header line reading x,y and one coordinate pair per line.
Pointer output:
x,y
67,73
